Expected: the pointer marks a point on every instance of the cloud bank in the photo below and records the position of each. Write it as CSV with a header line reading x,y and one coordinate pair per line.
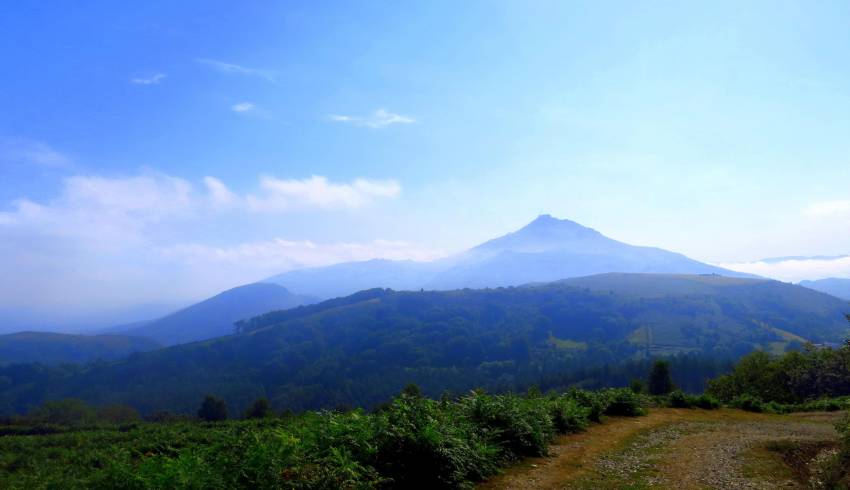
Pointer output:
x,y
107,242
795,269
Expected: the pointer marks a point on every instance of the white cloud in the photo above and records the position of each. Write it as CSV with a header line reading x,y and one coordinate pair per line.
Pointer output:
x,y
154,79
317,191
379,119
829,208
795,269
243,107
279,255
29,152
105,242
221,66
219,193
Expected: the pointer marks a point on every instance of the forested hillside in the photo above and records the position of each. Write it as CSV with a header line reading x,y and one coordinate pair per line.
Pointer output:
x,y
57,348
216,316
359,350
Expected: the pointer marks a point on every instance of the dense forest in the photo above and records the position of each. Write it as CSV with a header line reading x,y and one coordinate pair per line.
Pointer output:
x,y
59,348
359,350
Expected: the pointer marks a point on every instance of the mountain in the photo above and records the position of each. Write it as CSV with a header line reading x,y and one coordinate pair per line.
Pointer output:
x,y
838,287
349,277
216,316
58,348
361,349
546,249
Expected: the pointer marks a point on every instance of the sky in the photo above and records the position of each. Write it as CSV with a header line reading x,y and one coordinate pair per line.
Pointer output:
x,y
154,153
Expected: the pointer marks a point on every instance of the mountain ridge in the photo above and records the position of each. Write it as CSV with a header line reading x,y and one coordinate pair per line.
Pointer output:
x,y
360,350
544,250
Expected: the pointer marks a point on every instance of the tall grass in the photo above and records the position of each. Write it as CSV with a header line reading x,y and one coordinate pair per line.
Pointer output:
x,y
412,442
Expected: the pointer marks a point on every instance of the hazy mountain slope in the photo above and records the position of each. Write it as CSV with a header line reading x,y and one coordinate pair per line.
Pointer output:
x,y
360,350
57,348
216,316
545,250
838,287
549,249
347,278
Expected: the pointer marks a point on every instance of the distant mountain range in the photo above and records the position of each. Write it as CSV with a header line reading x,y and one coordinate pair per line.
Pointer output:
x,y
547,249
361,349
59,348
215,317
838,287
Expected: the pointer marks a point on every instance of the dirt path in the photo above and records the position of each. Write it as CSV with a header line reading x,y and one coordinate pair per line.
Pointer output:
x,y
675,448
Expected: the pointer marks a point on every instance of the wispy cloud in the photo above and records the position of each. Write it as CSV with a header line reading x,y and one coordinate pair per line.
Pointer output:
x,y
318,192
154,79
31,152
243,107
268,75
381,118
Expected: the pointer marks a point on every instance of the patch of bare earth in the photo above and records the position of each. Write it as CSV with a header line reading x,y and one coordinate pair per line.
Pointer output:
x,y
681,449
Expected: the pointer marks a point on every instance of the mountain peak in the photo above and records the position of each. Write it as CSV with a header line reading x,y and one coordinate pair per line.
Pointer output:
x,y
549,221
545,233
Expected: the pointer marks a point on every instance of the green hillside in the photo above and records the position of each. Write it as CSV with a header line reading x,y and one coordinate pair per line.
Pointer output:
x,y
361,349
56,348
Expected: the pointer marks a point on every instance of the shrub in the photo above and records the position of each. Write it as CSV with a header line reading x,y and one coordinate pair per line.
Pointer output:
x,y
212,409
623,402
677,399
568,416
637,386
660,382
261,408
748,403
419,446
521,426
594,402
707,402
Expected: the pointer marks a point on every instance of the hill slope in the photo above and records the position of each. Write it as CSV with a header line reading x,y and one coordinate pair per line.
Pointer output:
x,y
215,317
58,348
361,349
547,249
838,287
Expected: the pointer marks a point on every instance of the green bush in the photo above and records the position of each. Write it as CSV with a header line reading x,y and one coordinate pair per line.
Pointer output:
x,y
212,409
706,402
261,408
418,445
595,402
677,399
748,403
568,416
521,426
623,402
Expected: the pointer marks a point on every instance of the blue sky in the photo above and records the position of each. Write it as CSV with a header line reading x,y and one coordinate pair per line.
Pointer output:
x,y
166,150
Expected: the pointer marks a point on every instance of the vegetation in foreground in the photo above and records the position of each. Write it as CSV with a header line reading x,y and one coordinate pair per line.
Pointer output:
x,y
411,441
